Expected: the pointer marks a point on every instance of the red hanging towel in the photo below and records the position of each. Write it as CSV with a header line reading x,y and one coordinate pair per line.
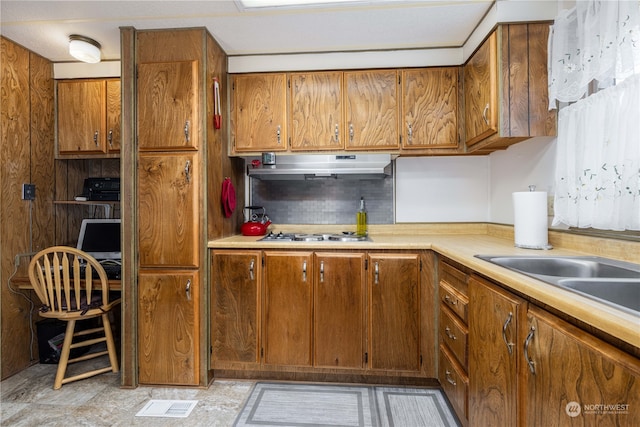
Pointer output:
x,y
228,197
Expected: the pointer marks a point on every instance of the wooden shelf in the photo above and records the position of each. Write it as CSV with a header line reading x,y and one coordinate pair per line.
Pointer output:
x,y
107,205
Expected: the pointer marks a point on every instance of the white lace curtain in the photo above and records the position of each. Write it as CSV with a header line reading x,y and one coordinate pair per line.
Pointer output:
x,y
598,160
595,40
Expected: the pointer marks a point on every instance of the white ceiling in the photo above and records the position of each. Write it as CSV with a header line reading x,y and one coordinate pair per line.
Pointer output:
x,y
44,26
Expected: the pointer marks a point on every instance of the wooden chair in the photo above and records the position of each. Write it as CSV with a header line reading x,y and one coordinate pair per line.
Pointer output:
x,y
71,295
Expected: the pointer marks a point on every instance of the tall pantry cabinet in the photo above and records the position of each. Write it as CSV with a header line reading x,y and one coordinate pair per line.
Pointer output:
x,y
177,163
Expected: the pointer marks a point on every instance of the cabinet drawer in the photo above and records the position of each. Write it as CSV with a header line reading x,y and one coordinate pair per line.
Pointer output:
x,y
455,383
454,300
454,334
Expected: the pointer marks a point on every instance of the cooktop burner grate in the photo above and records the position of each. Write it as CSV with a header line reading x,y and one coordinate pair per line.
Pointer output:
x,y
345,236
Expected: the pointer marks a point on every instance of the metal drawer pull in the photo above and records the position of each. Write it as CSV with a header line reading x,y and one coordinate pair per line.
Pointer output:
x,y
451,301
450,380
337,133
351,132
321,271
484,114
409,132
252,265
110,137
376,275
188,290
449,334
504,333
95,137
530,362
304,271
187,170
278,134
186,131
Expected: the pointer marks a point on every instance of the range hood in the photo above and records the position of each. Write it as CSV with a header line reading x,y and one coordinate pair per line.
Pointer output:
x,y
324,166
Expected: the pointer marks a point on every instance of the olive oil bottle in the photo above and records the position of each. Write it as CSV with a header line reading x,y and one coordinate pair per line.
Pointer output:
x,y
361,219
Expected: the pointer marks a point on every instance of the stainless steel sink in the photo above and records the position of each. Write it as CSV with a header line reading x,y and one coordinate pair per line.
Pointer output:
x,y
612,282
623,292
566,266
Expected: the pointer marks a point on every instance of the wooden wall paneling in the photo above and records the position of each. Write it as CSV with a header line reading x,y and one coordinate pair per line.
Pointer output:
x,y
181,44
14,212
128,202
42,150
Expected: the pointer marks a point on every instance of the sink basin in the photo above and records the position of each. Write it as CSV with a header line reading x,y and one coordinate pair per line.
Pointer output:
x,y
616,283
621,292
567,266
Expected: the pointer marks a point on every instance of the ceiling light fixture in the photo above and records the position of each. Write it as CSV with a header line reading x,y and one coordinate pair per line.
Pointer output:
x,y
84,49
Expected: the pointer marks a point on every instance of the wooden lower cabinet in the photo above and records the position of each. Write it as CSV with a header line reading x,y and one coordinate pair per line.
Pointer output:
x,y
394,311
287,317
168,327
494,315
528,367
339,306
574,378
235,308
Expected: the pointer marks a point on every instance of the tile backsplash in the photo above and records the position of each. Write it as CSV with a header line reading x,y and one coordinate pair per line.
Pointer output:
x,y
327,201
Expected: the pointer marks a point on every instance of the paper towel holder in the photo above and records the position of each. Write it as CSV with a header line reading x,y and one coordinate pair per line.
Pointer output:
x,y
547,247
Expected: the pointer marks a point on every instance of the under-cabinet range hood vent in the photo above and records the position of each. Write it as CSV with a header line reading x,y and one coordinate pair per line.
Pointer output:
x,y
321,166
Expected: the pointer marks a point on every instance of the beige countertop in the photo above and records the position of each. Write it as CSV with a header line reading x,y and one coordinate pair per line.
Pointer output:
x,y
461,242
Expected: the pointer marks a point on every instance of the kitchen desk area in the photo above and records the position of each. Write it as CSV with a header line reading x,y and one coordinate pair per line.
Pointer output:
x,y
547,331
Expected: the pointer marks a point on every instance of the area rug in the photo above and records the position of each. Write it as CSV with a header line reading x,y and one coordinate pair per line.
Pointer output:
x,y
303,405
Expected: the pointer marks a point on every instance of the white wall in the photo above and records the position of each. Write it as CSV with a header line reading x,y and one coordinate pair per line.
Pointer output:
x,y
442,189
472,188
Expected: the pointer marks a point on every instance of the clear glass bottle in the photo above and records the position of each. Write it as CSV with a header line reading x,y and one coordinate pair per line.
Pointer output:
x,y
361,219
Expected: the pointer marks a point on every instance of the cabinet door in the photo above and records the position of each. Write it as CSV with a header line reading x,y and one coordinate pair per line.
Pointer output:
x,y
81,117
371,109
288,287
235,297
113,116
168,210
394,313
493,317
573,378
481,92
339,304
168,319
168,116
260,104
430,108
316,111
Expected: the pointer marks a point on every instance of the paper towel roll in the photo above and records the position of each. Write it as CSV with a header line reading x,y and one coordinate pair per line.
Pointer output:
x,y
530,219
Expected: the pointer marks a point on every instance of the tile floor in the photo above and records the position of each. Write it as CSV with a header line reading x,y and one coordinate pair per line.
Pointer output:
x,y
28,399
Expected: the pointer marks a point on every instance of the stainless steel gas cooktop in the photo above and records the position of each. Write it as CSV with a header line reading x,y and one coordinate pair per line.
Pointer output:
x,y
345,236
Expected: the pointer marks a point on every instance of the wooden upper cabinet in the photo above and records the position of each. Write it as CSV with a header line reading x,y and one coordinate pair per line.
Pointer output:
x,y
505,89
394,311
371,110
316,111
82,117
168,325
168,114
260,108
168,210
481,92
113,116
430,108
288,292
